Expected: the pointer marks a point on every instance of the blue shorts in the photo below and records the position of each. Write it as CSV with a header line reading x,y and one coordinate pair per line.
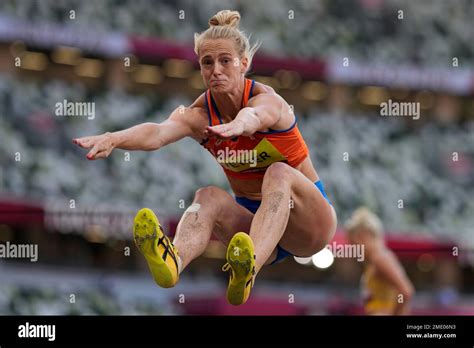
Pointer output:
x,y
253,205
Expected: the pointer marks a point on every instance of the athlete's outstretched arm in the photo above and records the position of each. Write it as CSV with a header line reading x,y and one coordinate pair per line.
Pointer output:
x,y
262,111
146,136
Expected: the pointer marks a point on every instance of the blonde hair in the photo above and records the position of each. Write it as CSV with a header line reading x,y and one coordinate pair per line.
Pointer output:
x,y
364,219
225,25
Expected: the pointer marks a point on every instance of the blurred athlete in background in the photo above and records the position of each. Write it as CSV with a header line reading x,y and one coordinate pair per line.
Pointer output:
x,y
386,288
280,207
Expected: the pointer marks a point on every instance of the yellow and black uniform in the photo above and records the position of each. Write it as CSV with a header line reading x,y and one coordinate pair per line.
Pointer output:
x,y
379,296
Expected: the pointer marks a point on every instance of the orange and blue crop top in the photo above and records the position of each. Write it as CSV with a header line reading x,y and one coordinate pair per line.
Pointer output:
x,y
248,157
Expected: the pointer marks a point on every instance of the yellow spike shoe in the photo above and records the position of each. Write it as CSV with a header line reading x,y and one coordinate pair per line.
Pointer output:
x,y
241,264
155,246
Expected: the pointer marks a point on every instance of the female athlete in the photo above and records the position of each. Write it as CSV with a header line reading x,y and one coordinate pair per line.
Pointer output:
x,y
385,286
280,207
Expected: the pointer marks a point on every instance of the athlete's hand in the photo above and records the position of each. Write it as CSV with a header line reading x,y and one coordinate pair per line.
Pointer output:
x,y
226,131
101,145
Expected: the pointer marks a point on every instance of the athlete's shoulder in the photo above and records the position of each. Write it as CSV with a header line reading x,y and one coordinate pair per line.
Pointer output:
x,y
261,88
197,113
266,94
200,101
194,115
197,108
383,258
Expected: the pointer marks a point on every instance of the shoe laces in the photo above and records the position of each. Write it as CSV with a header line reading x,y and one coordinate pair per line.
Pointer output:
x,y
228,267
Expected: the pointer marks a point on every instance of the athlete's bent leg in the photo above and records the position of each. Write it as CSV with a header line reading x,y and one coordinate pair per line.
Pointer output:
x,y
272,216
213,211
302,226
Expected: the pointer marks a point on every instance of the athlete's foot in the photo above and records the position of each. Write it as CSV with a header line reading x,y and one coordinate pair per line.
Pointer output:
x,y
159,252
241,264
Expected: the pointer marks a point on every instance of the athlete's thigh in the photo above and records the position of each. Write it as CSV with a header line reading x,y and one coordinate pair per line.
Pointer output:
x,y
312,222
232,218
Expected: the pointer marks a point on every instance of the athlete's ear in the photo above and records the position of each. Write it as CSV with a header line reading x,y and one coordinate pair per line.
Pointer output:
x,y
244,64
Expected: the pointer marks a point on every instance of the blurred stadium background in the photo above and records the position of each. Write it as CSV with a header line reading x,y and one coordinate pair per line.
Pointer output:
x,y
135,61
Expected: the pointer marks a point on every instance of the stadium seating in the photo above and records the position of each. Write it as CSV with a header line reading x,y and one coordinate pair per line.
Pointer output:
x,y
351,28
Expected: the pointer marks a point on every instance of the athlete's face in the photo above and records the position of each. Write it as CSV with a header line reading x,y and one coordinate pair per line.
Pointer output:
x,y
221,67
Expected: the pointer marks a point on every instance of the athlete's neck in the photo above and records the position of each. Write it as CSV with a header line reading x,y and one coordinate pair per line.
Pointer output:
x,y
229,104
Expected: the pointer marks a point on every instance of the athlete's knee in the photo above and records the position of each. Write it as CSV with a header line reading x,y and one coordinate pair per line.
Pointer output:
x,y
212,200
207,193
278,171
318,241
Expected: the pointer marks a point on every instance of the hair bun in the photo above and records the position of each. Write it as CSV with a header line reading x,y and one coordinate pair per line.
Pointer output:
x,y
225,17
